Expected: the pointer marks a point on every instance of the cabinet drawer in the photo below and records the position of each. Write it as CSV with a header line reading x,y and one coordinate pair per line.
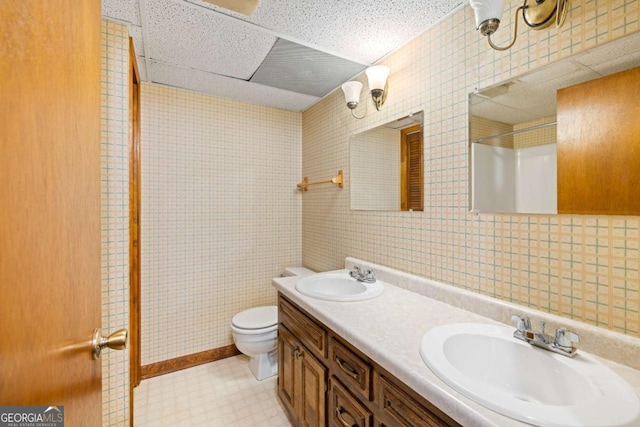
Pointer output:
x,y
352,370
344,409
312,335
400,409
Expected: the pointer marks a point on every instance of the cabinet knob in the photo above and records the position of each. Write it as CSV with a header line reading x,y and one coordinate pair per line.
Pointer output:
x,y
296,351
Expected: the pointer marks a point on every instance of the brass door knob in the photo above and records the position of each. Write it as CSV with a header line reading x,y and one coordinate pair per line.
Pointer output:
x,y
115,341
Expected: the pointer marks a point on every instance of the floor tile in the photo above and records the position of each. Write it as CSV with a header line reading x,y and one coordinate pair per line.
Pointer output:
x,y
221,393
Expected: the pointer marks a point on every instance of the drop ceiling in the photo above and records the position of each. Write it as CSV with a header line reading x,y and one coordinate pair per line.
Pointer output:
x,y
288,54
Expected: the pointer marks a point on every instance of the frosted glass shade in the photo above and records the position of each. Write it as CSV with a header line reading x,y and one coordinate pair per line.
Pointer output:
x,y
352,91
377,76
486,9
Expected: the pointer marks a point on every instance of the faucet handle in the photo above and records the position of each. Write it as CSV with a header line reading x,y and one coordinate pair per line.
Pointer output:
x,y
522,322
565,339
355,272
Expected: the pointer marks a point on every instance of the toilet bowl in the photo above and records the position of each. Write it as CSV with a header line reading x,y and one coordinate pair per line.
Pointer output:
x,y
255,333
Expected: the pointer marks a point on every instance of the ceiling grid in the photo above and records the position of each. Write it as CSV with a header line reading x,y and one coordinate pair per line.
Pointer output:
x,y
288,54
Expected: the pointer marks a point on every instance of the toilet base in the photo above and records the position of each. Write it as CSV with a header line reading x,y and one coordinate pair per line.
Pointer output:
x,y
264,365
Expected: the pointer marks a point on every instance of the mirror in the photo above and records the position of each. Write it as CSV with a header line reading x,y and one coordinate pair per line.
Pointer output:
x,y
512,129
386,166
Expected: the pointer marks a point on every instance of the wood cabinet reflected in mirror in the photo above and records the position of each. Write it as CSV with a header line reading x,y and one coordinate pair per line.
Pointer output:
x,y
599,148
515,165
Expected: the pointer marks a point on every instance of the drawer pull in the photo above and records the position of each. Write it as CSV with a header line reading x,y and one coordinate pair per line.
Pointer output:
x,y
346,368
339,412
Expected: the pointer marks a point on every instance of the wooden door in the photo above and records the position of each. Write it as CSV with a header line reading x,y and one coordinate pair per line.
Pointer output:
x,y
50,205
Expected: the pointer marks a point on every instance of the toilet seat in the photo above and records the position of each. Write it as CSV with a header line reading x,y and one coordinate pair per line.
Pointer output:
x,y
256,320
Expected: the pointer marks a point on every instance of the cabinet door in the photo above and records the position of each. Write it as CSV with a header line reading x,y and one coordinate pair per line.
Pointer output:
x,y
287,369
313,380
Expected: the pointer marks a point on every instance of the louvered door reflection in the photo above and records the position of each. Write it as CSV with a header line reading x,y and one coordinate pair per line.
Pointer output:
x,y
412,169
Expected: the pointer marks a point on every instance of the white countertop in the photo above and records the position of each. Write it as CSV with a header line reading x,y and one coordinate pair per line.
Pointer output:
x,y
389,329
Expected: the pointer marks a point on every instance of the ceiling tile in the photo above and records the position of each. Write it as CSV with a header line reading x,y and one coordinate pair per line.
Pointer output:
x,y
363,31
226,87
201,40
301,69
618,64
136,33
122,10
142,68
608,52
193,37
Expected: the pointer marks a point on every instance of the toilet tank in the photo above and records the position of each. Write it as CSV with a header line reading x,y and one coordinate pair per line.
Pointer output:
x,y
296,271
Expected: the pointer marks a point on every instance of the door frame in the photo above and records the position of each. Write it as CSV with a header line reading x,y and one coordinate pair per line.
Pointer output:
x,y
134,223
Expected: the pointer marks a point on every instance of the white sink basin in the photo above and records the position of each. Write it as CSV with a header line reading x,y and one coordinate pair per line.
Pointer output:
x,y
485,363
338,286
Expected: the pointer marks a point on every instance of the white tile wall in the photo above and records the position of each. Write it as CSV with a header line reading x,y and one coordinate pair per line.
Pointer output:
x,y
115,217
375,164
220,217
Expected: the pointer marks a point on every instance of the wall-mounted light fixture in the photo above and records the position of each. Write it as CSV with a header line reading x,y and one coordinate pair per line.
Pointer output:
x,y
378,87
537,14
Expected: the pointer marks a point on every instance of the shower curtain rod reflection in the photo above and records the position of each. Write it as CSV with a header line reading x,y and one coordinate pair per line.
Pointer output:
x,y
336,180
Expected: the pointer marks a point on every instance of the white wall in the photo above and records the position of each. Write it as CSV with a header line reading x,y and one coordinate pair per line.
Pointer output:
x,y
494,178
221,215
375,170
514,181
536,179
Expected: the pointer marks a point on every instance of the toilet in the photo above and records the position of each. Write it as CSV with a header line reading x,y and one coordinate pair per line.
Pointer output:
x,y
255,333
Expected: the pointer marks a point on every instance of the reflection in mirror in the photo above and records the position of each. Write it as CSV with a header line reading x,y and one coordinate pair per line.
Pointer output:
x,y
512,129
386,166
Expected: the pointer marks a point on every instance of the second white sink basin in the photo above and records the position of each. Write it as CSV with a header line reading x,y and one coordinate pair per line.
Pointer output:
x,y
338,286
485,363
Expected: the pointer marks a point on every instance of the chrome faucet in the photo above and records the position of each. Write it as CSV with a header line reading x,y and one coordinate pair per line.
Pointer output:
x,y
562,343
366,276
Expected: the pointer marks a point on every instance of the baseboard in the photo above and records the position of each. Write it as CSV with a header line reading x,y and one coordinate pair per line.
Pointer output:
x,y
184,362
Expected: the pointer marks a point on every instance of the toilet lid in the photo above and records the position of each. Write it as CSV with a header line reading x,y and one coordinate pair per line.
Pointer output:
x,y
256,318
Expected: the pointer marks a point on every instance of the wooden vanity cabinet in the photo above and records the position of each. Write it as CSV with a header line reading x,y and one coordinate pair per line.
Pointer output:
x,y
324,381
